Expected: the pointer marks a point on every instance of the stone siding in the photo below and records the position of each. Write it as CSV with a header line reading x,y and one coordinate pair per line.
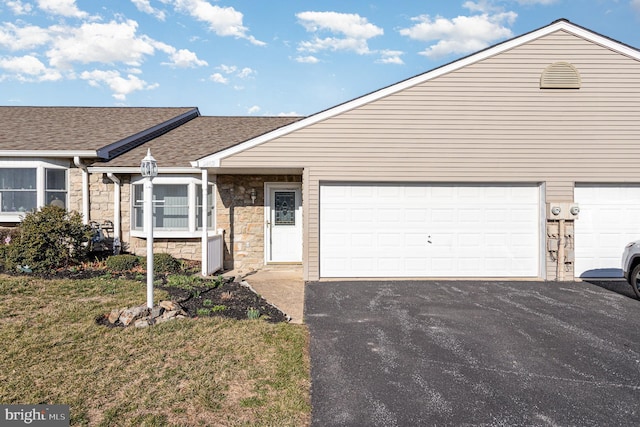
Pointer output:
x,y
75,190
243,220
184,248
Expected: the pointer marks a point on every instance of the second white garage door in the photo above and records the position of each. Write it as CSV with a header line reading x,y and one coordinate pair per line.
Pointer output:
x,y
419,230
609,219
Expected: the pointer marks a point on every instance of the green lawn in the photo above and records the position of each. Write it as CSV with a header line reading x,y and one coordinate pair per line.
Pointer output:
x,y
190,372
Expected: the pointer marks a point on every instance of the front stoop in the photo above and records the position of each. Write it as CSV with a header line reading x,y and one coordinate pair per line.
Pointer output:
x,y
281,285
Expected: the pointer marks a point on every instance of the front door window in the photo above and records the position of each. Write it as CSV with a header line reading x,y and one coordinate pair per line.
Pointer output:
x,y
285,208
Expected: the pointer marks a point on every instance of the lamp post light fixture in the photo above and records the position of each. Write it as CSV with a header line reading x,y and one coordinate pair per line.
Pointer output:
x,y
149,169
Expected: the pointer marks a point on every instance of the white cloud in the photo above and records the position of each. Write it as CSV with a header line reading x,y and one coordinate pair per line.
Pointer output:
x,y
21,38
254,110
66,8
350,32
232,70
104,43
246,72
543,2
120,86
635,4
310,59
219,78
224,21
184,58
18,7
289,114
29,68
227,69
391,57
145,6
460,35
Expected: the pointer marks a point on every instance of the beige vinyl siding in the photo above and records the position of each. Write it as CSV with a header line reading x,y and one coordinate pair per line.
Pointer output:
x,y
486,122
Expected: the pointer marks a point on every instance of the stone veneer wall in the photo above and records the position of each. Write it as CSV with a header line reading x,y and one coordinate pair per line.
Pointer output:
x,y
75,190
242,220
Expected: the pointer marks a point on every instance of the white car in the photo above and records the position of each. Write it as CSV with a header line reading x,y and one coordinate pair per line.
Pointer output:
x,y
631,265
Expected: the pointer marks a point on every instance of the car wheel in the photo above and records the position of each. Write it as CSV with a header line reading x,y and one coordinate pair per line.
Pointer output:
x,y
634,280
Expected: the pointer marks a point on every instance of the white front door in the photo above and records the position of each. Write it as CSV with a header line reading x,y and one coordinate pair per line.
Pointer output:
x,y
283,219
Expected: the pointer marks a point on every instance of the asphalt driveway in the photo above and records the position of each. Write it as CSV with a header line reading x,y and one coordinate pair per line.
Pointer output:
x,y
415,353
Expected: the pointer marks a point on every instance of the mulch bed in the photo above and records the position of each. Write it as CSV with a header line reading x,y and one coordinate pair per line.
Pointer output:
x,y
204,301
237,299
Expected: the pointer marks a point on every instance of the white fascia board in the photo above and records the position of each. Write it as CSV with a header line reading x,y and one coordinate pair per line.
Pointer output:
x,y
213,161
49,153
136,170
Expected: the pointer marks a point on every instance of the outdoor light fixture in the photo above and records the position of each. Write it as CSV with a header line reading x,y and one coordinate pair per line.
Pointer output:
x,y
253,195
149,166
149,169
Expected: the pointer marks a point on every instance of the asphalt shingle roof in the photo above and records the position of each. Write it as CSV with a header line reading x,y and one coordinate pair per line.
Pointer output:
x,y
76,128
198,138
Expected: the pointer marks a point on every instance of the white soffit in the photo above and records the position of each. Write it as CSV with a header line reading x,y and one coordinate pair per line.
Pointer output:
x,y
560,25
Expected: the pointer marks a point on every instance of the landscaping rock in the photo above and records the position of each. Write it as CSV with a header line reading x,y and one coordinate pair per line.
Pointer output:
x,y
141,323
133,313
169,305
115,315
142,317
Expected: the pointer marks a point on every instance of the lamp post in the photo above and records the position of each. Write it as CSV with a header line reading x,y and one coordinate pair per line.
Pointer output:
x,y
149,169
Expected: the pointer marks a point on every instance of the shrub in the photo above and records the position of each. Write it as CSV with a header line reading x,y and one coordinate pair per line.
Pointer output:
x,y
122,262
163,263
48,239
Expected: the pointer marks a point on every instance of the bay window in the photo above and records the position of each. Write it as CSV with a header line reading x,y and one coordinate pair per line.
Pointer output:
x,y
27,185
177,207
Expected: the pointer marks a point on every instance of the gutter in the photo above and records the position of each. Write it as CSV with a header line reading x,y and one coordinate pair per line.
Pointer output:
x,y
85,188
66,154
135,170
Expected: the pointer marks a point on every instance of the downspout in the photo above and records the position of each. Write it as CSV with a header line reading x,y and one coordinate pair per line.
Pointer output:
x,y
116,212
85,189
205,231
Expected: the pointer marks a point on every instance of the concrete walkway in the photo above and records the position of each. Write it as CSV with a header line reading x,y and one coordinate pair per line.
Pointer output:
x,y
282,286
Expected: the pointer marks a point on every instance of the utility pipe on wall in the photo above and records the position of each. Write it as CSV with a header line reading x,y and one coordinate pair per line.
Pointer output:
x,y
116,209
561,252
85,189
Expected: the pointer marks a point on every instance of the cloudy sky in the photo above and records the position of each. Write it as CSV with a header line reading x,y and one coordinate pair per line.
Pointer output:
x,y
254,57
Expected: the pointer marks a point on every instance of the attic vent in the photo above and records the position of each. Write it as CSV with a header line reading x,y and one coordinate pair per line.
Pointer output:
x,y
560,75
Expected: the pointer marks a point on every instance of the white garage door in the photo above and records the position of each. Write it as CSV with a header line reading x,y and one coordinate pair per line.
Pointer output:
x,y
609,219
385,230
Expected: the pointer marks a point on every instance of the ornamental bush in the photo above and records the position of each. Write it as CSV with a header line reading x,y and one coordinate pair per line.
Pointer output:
x,y
122,262
48,239
163,263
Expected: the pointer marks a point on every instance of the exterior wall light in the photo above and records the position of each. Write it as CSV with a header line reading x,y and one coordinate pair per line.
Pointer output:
x,y
253,195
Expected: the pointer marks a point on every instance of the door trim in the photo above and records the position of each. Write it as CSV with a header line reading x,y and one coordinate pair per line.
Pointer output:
x,y
268,186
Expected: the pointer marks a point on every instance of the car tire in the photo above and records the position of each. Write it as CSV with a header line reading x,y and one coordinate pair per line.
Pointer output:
x,y
634,280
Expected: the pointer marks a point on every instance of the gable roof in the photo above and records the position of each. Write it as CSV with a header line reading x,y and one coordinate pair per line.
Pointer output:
x,y
195,139
214,159
96,132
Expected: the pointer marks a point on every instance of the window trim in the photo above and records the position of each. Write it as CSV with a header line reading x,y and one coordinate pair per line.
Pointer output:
x,y
40,165
192,193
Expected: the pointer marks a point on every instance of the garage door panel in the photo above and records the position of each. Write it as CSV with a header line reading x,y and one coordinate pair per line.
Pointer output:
x,y
609,219
430,231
